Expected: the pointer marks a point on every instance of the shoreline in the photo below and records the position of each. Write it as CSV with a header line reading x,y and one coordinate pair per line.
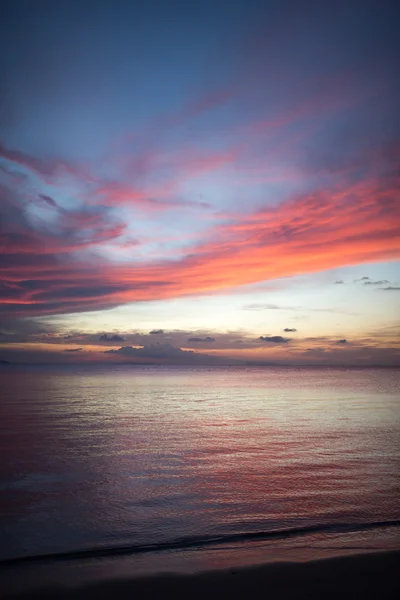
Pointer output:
x,y
366,575
196,542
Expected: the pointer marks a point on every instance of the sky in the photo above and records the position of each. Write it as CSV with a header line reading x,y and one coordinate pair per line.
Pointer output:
x,y
205,182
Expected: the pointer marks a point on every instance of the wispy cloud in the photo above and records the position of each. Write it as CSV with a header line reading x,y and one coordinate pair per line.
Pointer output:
x,y
40,166
261,306
303,235
54,256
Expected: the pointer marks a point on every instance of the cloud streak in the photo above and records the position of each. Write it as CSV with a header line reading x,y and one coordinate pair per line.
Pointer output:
x,y
63,225
350,224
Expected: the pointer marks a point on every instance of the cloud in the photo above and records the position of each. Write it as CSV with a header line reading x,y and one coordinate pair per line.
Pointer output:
x,y
339,282
165,353
39,166
111,338
56,263
197,107
381,282
199,339
48,200
21,330
48,332
153,350
156,332
362,279
260,306
391,289
65,232
33,341
342,341
274,339
287,329
315,350
176,168
73,350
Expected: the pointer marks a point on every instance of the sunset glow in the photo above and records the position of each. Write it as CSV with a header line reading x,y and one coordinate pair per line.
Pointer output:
x,y
223,195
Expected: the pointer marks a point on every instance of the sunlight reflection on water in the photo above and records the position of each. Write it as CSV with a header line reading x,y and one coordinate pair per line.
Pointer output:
x,y
99,457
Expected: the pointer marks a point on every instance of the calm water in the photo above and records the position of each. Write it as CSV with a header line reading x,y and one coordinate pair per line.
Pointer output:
x,y
110,457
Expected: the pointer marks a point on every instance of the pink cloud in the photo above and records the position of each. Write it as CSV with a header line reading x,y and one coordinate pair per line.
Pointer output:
x,y
349,224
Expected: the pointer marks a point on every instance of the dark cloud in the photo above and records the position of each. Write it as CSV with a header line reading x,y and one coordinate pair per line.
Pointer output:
x,y
22,330
33,330
151,351
111,338
117,338
342,341
199,339
362,279
32,246
156,332
166,353
274,339
48,200
380,282
73,350
288,329
80,292
391,289
339,282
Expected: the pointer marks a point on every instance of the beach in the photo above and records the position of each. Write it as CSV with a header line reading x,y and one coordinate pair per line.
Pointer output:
x,y
366,576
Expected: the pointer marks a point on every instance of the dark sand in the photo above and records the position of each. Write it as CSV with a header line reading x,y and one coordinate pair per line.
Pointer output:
x,y
362,576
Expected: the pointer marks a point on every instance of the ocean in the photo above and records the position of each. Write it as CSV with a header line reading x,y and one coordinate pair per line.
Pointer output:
x,y
122,469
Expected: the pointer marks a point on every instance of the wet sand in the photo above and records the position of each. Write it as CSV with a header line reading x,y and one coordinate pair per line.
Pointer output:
x,y
365,576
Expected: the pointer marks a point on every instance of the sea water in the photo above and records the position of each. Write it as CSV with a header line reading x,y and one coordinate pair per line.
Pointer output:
x,y
221,465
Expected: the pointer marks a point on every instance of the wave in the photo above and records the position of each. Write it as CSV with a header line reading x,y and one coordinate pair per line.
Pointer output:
x,y
186,543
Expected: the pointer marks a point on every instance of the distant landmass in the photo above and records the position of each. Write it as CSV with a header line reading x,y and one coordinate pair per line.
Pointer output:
x,y
5,362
